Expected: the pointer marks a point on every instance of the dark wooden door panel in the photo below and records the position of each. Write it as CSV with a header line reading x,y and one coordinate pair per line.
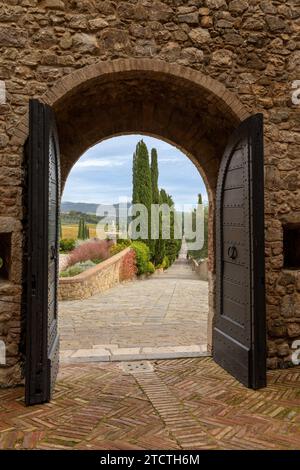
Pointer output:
x,y
239,329
236,311
234,178
236,360
237,274
42,341
235,292
234,197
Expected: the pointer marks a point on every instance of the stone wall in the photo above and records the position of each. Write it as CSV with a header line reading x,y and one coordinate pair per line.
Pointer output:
x,y
94,280
251,49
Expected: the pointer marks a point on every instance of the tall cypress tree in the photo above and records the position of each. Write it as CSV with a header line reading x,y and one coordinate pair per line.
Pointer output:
x,y
134,178
195,212
172,245
156,247
159,244
79,229
154,177
142,187
203,252
83,231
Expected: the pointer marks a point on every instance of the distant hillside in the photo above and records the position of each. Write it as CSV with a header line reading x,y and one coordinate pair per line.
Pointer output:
x,y
85,207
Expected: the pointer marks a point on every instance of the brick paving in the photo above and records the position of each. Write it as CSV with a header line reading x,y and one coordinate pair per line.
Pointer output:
x,y
166,310
179,404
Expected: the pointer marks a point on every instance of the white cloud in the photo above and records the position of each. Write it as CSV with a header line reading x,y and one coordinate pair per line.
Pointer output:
x,y
170,159
93,163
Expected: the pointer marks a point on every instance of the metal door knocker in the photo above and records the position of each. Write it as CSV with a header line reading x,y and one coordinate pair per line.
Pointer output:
x,y
232,252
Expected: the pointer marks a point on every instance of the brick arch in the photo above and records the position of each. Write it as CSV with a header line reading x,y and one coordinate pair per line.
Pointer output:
x,y
230,102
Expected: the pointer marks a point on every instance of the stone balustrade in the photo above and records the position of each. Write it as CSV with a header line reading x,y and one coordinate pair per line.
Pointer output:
x,y
200,268
94,280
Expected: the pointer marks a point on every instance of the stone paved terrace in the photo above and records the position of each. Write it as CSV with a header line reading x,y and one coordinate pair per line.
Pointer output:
x,y
180,404
159,317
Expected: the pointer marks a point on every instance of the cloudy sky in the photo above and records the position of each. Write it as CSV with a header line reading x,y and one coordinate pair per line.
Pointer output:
x,y
103,175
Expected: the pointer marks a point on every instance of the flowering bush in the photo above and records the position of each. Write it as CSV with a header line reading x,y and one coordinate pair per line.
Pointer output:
x,y
95,249
128,268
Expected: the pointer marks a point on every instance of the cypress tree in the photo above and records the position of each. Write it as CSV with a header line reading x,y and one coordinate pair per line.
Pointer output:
x,y
142,186
79,229
134,177
156,245
160,251
83,231
195,212
172,245
203,252
154,177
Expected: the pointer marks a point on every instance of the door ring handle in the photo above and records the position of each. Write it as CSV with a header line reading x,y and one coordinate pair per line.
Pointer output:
x,y
232,252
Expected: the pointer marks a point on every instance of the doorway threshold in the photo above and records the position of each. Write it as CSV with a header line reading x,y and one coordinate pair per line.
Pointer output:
x,y
112,353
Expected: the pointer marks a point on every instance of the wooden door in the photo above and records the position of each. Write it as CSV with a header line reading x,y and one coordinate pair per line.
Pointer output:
x,y
239,335
41,267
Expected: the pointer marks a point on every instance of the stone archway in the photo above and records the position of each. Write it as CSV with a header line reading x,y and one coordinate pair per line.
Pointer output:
x,y
181,106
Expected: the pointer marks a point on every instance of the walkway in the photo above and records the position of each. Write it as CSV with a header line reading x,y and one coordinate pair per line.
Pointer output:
x,y
164,316
180,404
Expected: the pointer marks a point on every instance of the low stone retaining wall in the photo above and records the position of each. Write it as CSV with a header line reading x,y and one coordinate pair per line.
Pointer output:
x,y
200,269
99,278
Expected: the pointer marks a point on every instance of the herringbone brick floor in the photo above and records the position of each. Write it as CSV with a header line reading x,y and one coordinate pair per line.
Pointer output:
x,y
181,404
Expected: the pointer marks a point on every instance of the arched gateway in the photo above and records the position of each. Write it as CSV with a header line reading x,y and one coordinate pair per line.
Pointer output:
x,y
190,74
207,122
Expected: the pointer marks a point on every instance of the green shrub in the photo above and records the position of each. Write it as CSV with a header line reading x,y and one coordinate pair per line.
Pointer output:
x,y
97,260
66,244
114,249
142,253
172,249
123,242
150,268
120,246
165,263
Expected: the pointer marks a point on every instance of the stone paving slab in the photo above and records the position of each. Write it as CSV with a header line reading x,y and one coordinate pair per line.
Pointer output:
x,y
106,353
174,404
165,311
